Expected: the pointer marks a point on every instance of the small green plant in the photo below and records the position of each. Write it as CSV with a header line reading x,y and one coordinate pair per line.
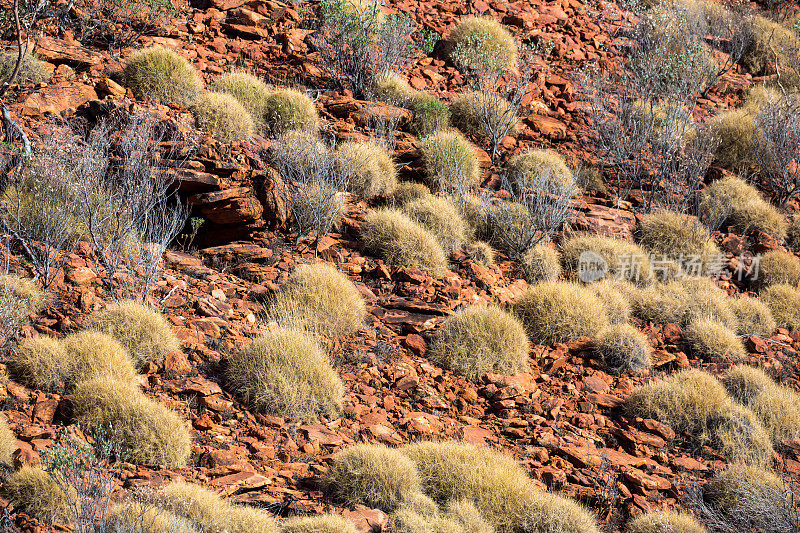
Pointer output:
x,y
163,75
221,115
430,115
372,475
195,223
477,340
286,373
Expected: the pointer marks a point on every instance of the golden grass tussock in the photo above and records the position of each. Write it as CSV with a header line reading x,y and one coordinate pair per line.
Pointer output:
x,y
477,340
493,482
408,191
149,432
35,492
485,41
793,234
457,517
738,486
369,167
8,443
391,88
135,517
734,129
557,311
740,436
324,523
450,161
398,240
769,42
143,331
731,201
556,514
31,70
540,263
320,299
286,373
545,169
221,115
442,218
483,114
465,514
753,316
94,354
622,347
624,259
709,339
614,294
162,75
482,253
682,302
289,109
29,297
784,302
678,237
40,362
777,266
373,475
209,513
665,522
249,90
774,404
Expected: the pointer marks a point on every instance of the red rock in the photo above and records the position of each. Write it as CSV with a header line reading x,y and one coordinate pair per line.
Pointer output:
x,y
367,520
547,126
177,364
81,275
416,344
56,98
595,384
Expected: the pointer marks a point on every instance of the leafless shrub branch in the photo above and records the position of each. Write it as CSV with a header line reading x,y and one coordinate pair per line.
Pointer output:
x,y
776,137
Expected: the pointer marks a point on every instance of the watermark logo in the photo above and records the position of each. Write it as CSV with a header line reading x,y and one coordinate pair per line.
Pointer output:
x,y
591,266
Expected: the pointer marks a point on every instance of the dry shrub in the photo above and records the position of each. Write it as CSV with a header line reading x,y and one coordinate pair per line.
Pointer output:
x,y
483,254
400,241
748,498
8,443
250,91
35,492
286,373
558,177
591,180
320,299
624,259
679,238
708,338
221,115
391,88
142,331
793,234
540,263
477,340
614,295
324,523
494,483
162,75
134,517
665,522
450,161
622,347
482,114
209,513
732,201
777,266
30,299
754,317
769,43
556,311
369,168
775,405
758,96
784,302
408,191
31,70
442,218
148,432
289,109
372,475
689,401
734,129
486,40
40,362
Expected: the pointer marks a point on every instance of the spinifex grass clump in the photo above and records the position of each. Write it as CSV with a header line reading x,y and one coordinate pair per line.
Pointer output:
x,y
162,75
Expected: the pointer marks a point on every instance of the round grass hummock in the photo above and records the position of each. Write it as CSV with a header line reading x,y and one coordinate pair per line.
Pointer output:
x,y
289,109
162,75
542,169
540,263
35,492
440,217
622,347
484,41
477,340
286,373
324,523
784,302
777,266
221,115
32,70
708,338
483,114
450,161
250,91
369,168
754,317
664,522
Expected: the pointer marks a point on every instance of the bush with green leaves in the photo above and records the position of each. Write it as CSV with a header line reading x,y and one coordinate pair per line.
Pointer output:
x,y
477,340
357,43
429,115
163,75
